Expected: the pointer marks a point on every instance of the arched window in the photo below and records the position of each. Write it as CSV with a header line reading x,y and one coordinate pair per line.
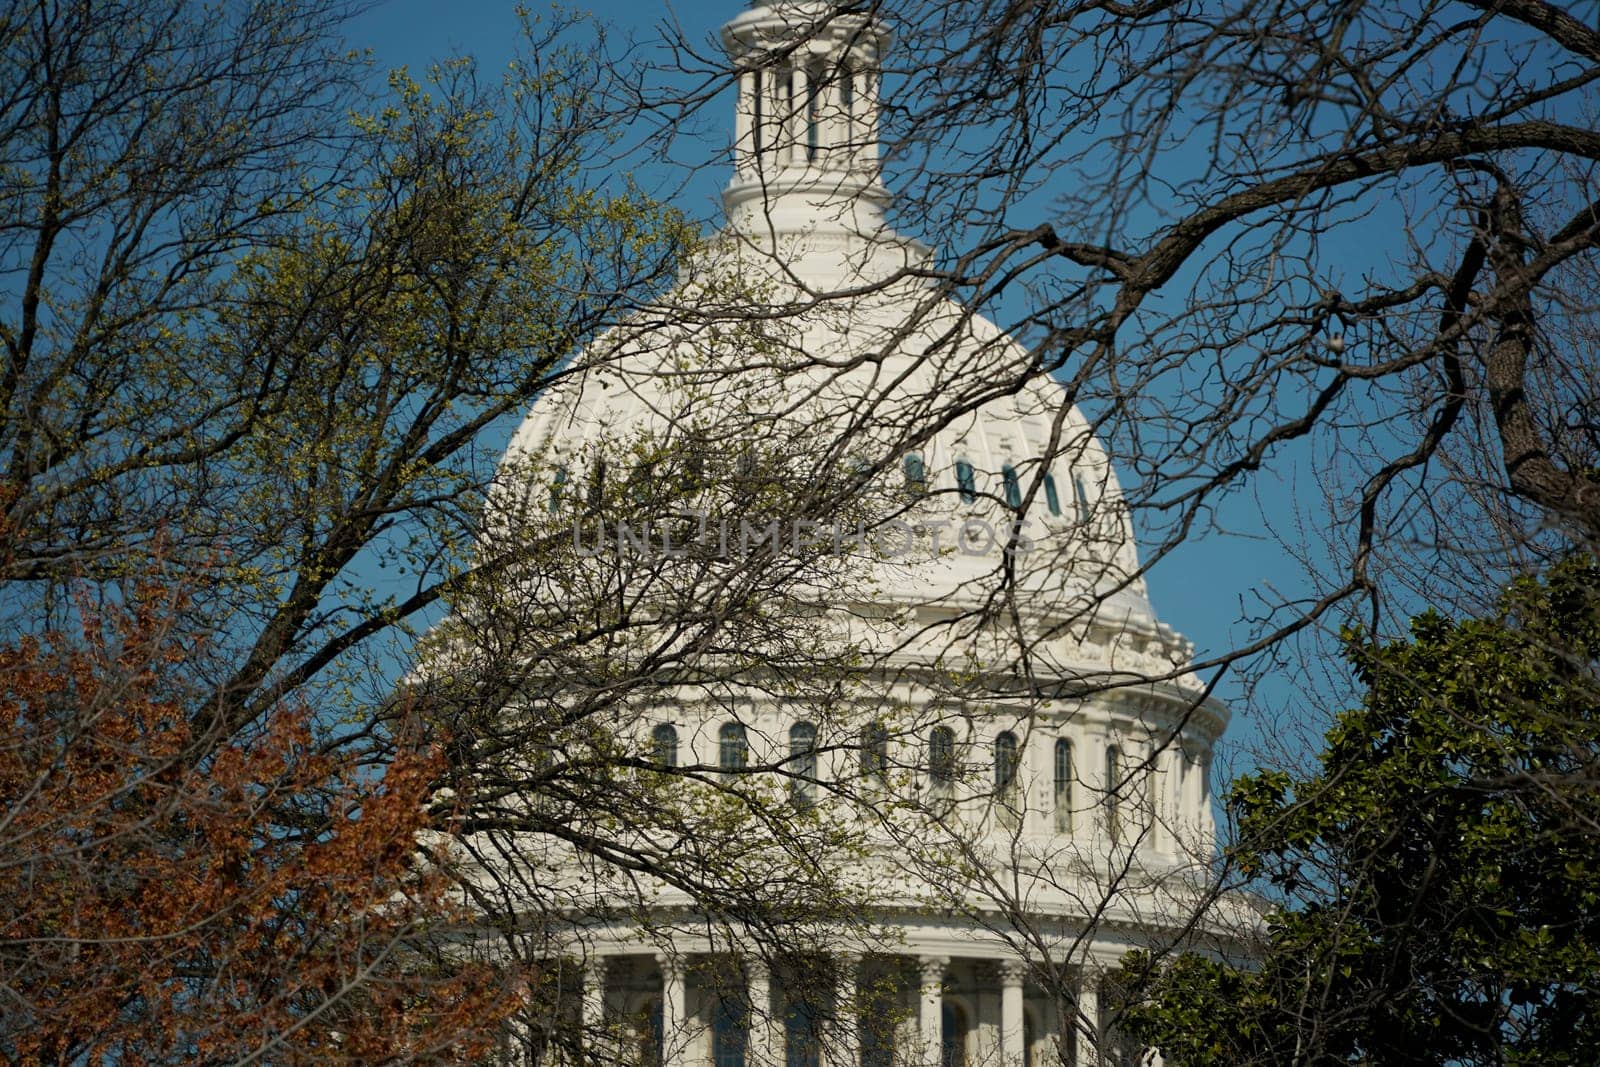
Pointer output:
x,y
664,745
1052,498
941,757
803,764
966,481
1008,475
1063,782
916,474
875,752
597,484
801,1047
730,1031
558,487
1113,784
733,751
1005,763
1082,492
952,1036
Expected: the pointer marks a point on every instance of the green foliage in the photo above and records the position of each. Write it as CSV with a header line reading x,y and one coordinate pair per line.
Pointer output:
x,y
1439,876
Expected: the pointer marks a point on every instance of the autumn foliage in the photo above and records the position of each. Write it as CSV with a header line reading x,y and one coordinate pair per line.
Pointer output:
x,y
167,896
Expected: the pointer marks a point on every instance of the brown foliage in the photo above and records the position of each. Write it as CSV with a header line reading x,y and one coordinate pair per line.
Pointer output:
x,y
166,897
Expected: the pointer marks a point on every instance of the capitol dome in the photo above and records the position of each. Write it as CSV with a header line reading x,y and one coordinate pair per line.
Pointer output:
x,y
806,396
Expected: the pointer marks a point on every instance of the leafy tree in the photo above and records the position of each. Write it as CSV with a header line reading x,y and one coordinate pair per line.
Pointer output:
x,y
259,317
268,356
1438,878
278,339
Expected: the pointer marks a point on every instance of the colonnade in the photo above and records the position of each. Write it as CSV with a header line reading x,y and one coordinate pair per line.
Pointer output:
x,y
920,1040
819,113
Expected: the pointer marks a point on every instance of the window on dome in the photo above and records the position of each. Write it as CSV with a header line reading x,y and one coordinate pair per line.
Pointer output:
x,y
730,1032
941,758
640,482
966,481
1005,763
1113,784
814,75
789,119
558,487
1082,492
875,752
803,764
733,750
877,1029
1008,474
664,745
694,470
1063,783
1052,498
597,485
801,1047
916,474
650,1035
953,1036
758,125
860,471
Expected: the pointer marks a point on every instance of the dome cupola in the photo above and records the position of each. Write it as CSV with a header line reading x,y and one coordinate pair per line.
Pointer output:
x,y
806,124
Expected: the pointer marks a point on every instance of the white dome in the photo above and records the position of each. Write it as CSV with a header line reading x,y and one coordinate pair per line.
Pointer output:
x,y
847,386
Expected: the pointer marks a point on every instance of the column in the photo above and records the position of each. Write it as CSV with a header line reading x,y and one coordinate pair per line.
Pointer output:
x,y
1088,1025
800,110
777,124
672,1008
930,1010
520,1044
1174,795
744,145
594,1008
844,1050
1013,1031
868,97
1042,783
1159,758
849,112
1191,799
758,989
832,129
